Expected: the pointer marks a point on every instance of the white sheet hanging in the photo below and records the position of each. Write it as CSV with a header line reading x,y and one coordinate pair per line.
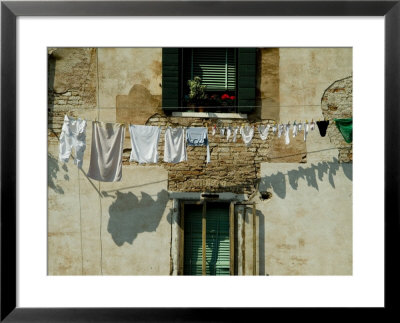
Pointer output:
x,y
144,140
174,145
106,151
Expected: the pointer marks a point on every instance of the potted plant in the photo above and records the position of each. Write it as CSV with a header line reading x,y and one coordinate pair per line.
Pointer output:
x,y
197,95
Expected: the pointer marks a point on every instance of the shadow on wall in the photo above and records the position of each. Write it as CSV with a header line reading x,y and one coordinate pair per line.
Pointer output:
x,y
52,169
129,216
277,182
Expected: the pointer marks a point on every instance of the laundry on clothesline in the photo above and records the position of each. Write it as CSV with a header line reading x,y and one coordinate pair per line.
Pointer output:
x,y
73,136
228,133
305,131
108,139
247,133
322,126
198,137
263,130
175,145
144,141
287,130
106,151
345,127
294,131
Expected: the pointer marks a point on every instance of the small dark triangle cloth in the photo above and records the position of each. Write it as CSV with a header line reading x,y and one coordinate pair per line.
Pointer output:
x,y
322,126
345,127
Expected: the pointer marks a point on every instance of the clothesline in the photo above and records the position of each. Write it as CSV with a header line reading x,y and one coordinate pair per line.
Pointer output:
x,y
220,121
108,142
205,107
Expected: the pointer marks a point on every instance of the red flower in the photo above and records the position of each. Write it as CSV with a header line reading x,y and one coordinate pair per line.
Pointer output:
x,y
224,96
233,97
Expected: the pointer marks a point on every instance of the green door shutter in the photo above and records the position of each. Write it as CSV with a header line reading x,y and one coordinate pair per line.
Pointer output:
x,y
170,78
217,242
217,239
192,240
247,69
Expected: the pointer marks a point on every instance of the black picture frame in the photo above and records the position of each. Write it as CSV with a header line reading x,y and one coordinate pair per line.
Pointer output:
x,y
10,10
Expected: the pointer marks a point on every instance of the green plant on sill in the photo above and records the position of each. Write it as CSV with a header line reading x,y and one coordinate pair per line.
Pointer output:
x,y
197,95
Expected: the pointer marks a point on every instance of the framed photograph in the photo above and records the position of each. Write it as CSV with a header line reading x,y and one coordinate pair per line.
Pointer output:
x,y
183,140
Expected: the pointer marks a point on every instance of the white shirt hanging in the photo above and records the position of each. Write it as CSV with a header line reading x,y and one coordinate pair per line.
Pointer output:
x,y
306,127
263,130
247,133
280,130
213,130
228,133
294,129
235,131
287,130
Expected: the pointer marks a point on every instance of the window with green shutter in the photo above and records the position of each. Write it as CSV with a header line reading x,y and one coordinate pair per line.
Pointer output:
x,y
217,235
229,75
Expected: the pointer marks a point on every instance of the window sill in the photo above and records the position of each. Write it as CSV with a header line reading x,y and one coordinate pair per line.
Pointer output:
x,y
209,115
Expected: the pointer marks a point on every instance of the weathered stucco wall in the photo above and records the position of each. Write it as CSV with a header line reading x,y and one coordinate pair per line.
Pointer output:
x,y
307,224
120,228
304,75
130,82
125,228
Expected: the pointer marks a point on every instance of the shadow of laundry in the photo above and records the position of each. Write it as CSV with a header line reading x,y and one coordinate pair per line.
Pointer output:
x,y
130,216
52,169
277,182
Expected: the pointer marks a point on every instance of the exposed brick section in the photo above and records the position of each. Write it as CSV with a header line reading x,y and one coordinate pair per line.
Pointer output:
x,y
72,84
337,102
233,167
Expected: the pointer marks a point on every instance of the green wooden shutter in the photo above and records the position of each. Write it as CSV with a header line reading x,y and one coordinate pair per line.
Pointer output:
x,y
192,240
171,78
247,69
216,67
217,240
